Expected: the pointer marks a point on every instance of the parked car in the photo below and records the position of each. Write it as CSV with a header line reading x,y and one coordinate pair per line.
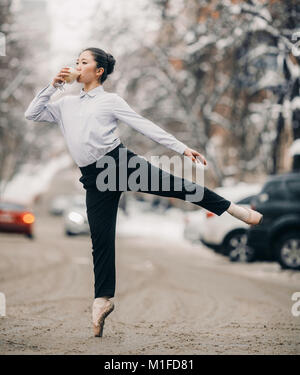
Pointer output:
x,y
225,233
278,236
194,225
228,235
75,217
61,202
16,218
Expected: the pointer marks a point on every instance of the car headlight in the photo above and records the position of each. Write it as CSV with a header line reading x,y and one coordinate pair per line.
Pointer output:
x,y
76,218
263,197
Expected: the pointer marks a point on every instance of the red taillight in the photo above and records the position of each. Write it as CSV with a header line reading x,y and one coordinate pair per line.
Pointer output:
x,y
209,214
28,218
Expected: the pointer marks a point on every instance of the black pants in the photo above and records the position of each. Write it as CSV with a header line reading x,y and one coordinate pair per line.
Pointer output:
x,y
102,208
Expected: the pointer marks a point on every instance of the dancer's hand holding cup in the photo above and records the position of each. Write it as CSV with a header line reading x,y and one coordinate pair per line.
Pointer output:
x,y
60,78
66,75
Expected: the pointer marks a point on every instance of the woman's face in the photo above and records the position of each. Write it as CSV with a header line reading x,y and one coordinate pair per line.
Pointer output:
x,y
86,65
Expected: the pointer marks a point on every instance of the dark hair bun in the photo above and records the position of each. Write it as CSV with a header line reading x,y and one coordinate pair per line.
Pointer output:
x,y
111,63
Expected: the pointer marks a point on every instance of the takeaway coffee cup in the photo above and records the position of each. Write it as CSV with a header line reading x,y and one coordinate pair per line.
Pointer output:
x,y
74,74
70,78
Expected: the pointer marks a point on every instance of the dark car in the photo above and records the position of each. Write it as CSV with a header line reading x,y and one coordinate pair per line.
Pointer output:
x,y
16,218
278,236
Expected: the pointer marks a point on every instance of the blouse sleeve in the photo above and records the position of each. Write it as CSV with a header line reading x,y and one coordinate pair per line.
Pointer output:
x,y
40,109
122,111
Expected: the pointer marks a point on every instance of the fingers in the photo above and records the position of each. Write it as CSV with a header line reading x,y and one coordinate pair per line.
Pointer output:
x,y
193,159
195,156
61,76
191,156
64,72
202,159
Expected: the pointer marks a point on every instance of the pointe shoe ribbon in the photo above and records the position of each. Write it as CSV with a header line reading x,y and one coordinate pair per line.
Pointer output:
x,y
254,218
101,309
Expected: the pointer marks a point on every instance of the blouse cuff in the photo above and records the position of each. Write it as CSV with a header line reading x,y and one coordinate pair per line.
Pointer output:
x,y
181,148
48,90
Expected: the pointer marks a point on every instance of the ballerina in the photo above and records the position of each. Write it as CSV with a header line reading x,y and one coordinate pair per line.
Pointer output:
x,y
88,122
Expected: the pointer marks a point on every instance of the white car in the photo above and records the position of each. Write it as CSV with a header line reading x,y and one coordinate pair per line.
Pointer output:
x,y
194,225
75,217
224,233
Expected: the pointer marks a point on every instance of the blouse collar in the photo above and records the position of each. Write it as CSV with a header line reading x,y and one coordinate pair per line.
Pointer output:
x,y
91,93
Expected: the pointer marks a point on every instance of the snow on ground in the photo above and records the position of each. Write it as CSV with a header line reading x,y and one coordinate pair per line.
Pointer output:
x,y
168,228
169,224
142,223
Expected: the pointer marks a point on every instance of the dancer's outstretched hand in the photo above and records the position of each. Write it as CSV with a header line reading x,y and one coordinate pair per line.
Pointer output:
x,y
195,156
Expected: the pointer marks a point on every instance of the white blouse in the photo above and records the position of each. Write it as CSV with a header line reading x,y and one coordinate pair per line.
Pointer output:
x,y
88,122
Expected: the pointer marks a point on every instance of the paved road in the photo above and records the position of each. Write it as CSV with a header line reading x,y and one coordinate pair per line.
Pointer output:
x,y
171,298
